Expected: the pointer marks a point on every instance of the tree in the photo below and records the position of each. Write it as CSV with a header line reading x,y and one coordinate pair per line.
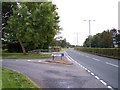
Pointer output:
x,y
100,40
87,42
95,42
35,23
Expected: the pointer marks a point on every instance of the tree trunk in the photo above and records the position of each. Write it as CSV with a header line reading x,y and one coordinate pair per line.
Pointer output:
x,y
22,46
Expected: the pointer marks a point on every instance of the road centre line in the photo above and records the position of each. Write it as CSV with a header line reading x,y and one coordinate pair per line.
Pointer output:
x,y
111,64
87,56
103,82
95,59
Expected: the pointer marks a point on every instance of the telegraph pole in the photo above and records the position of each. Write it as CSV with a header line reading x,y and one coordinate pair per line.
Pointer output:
x,y
89,31
77,36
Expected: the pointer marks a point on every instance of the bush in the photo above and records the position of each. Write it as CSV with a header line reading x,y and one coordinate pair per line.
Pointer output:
x,y
109,52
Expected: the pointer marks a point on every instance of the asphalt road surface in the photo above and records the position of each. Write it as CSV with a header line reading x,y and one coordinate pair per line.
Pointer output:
x,y
104,68
51,75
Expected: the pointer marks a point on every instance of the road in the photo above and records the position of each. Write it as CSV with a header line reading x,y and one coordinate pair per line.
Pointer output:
x,y
51,75
105,69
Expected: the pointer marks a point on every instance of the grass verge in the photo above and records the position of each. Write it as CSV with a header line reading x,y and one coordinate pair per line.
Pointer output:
x,y
21,55
13,79
63,49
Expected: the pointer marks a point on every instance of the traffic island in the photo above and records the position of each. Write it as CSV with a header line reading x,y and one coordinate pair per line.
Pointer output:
x,y
56,57
60,61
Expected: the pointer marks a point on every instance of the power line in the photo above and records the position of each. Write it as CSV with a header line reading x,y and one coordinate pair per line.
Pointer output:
x,y
89,31
77,36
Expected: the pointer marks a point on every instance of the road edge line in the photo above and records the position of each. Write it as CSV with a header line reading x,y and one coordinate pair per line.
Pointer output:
x,y
103,82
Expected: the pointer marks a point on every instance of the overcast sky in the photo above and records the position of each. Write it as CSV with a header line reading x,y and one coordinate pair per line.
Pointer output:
x,y
73,12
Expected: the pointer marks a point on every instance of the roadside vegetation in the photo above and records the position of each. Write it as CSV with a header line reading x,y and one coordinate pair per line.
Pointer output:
x,y
108,52
106,39
13,79
28,55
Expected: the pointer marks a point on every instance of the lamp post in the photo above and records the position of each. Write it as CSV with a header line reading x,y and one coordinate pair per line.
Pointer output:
x,y
89,31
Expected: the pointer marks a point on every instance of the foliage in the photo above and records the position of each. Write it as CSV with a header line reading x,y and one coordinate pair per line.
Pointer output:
x,y
20,55
62,43
32,24
109,52
7,12
103,40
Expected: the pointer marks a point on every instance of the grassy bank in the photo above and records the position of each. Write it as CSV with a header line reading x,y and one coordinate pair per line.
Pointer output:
x,y
21,55
13,79
63,49
108,52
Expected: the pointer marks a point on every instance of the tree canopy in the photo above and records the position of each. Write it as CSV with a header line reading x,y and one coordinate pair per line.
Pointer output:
x,y
32,25
104,39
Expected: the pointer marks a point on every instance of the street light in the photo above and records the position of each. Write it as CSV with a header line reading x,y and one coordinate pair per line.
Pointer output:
x,y
89,31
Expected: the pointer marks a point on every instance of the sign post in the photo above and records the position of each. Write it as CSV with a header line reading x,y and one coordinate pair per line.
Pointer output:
x,y
57,55
62,54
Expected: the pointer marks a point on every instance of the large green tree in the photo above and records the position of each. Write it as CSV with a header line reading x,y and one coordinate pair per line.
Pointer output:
x,y
34,23
101,40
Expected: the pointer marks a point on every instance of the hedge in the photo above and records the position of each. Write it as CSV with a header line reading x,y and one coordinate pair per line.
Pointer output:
x,y
109,52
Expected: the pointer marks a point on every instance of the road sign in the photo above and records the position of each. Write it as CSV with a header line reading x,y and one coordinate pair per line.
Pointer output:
x,y
57,55
62,54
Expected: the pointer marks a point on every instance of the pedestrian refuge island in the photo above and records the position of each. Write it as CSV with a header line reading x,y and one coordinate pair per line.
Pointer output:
x,y
57,55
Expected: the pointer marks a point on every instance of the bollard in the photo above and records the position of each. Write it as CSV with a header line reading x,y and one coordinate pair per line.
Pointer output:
x,y
53,57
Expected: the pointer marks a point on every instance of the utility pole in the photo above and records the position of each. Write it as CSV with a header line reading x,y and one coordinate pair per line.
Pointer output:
x,y
77,36
89,31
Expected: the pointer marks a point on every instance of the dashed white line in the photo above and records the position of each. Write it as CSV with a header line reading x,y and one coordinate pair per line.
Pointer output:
x,y
95,59
87,56
111,64
97,77
103,82
85,68
29,60
88,70
110,87
92,73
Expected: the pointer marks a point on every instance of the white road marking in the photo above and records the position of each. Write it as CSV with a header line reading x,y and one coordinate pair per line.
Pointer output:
x,y
92,73
97,77
29,60
103,82
68,58
111,64
95,59
87,56
88,70
85,68
110,87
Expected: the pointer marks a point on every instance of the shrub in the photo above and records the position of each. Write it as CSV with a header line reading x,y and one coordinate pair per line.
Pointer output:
x,y
109,52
